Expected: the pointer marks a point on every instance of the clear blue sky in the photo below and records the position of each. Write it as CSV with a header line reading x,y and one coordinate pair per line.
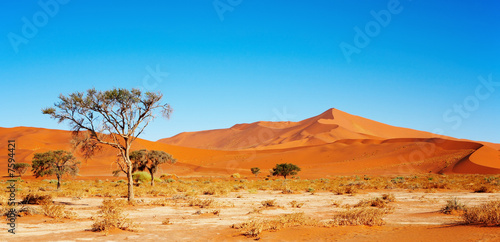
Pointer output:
x,y
259,60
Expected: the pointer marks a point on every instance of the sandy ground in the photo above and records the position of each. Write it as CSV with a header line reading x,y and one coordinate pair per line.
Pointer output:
x,y
416,217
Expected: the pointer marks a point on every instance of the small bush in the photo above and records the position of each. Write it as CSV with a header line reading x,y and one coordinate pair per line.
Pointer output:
x,y
166,221
38,199
141,177
296,204
389,197
56,211
111,216
255,227
485,214
269,203
236,175
453,205
374,202
358,216
202,203
485,189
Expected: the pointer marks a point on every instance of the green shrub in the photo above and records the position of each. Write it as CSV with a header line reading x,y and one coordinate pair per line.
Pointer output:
x,y
141,177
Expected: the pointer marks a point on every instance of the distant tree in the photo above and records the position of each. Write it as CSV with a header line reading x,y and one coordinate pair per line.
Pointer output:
x,y
114,118
58,163
285,169
255,170
149,160
21,168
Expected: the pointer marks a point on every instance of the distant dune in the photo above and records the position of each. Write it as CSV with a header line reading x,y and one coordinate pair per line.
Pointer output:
x,y
328,127
331,143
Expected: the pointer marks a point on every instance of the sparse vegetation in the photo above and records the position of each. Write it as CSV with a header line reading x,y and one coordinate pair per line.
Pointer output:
x,y
269,203
111,216
485,214
36,198
358,216
296,204
255,227
453,205
56,211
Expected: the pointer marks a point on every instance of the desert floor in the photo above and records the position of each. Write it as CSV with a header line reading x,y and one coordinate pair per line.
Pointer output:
x,y
415,217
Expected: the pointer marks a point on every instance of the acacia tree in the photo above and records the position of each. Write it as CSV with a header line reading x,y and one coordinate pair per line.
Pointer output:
x,y
285,169
114,118
255,171
56,163
150,160
21,168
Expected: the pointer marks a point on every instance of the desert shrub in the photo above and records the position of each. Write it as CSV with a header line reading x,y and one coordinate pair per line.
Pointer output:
x,y
111,216
202,203
485,189
296,204
269,203
28,211
358,216
169,176
373,202
35,198
389,197
485,214
236,175
141,177
453,205
255,227
217,190
341,190
56,211
166,221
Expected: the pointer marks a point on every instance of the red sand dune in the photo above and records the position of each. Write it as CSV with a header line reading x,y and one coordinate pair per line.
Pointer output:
x,y
329,144
328,127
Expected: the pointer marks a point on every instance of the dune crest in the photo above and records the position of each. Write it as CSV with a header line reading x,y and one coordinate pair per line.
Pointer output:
x,y
331,143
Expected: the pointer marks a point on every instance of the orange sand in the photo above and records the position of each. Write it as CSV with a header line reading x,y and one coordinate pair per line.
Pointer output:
x,y
331,143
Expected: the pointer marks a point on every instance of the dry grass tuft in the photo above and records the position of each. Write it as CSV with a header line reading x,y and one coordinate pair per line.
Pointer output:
x,y
202,203
255,227
166,221
36,198
453,205
56,211
485,214
485,189
111,216
269,203
296,204
358,216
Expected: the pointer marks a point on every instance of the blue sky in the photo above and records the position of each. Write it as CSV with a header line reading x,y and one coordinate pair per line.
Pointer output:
x,y
260,60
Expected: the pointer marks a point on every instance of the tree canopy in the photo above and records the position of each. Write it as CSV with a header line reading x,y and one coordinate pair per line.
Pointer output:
x,y
255,170
285,169
21,168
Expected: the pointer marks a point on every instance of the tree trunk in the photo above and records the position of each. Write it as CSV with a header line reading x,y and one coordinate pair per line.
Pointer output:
x,y
58,182
130,184
152,178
